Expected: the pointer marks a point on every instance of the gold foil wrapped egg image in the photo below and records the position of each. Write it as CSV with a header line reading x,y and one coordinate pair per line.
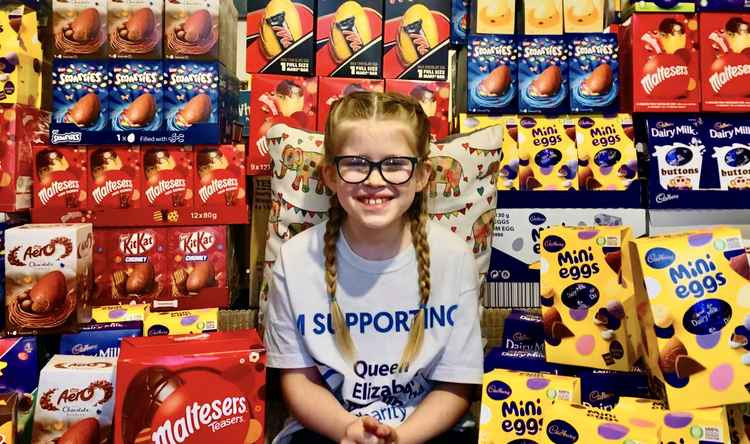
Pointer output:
x,y
350,31
281,26
417,35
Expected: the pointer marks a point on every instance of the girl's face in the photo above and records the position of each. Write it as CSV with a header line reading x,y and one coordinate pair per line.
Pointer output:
x,y
376,204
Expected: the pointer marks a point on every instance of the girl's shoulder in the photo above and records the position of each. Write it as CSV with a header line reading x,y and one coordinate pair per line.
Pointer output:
x,y
443,241
307,243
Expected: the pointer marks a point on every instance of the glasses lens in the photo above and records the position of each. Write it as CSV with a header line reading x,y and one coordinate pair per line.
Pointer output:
x,y
353,169
397,170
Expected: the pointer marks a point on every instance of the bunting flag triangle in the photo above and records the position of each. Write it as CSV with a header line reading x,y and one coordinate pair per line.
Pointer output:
x,y
462,211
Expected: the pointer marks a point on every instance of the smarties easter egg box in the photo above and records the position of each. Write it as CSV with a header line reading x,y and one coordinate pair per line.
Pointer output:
x,y
349,41
136,99
80,29
416,37
201,30
543,75
692,291
515,404
161,389
593,73
589,315
492,74
48,277
280,37
665,62
725,61
460,21
135,28
80,103
291,100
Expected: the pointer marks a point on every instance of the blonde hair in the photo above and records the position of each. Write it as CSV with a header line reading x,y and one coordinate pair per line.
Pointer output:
x,y
379,106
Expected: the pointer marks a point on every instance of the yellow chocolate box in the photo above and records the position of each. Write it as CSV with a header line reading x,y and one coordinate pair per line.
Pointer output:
x,y
693,294
586,307
514,405
573,423
547,154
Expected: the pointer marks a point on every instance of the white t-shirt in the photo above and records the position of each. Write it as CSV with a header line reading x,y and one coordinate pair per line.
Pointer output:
x,y
379,300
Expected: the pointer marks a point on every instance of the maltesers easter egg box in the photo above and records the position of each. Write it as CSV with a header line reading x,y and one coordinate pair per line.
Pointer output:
x,y
725,61
515,404
168,392
665,63
693,294
587,309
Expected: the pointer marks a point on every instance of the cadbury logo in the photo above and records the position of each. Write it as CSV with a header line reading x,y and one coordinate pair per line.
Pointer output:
x,y
80,349
537,218
136,243
600,396
659,258
553,244
560,432
196,242
666,197
498,390
215,415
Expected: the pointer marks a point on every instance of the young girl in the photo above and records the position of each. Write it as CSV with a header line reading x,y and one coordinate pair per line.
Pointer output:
x,y
373,316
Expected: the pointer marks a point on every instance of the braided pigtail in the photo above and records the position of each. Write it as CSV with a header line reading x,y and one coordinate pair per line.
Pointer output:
x,y
333,230
418,213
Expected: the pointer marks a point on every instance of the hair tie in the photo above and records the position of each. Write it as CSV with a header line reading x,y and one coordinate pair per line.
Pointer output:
x,y
422,306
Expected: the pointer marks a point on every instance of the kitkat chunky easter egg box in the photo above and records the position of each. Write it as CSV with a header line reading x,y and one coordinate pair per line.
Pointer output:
x,y
725,61
514,404
693,294
586,309
665,63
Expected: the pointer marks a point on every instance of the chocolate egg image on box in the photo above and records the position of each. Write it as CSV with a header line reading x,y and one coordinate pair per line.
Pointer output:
x,y
547,83
496,82
49,292
279,14
85,431
140,112
599,81
140,25
141,279
417,34
196,110
197,27
85,27
669,354
203,276
145,394
85,111
350,30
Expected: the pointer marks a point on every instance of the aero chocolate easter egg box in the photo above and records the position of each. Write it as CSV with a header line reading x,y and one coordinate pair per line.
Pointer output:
x,y
543,75
693,292
586,308
547,154
492,74
606,152
665,63
515,404
594,78
725,61
729,139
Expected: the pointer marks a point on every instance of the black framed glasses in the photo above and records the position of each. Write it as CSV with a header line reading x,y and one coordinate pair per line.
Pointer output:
x,y
396,170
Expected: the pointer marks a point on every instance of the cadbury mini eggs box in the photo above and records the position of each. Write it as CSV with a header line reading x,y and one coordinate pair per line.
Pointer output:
x,y
606,152
543,75
515,404
548,160
567,423
508,168
586,308
694,305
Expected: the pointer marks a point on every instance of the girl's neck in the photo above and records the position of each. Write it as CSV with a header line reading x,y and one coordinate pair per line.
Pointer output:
x,y
378,245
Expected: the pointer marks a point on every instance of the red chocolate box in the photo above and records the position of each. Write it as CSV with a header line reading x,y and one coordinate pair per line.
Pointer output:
x,y
199,259
168,392
167,176
349,40
332,89
725,61
220,175
665,67
278,99
114,178
59,177
139,265
280,37
435,98
100,257
415,39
